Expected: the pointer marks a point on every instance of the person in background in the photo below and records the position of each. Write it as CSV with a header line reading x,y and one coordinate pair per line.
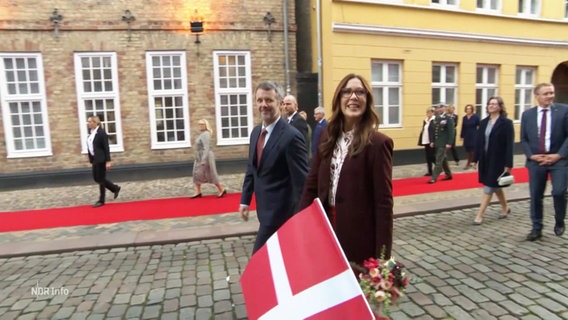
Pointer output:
x,y
351,173
290,107
493,155
442,131
451,113
544,136
276,168
99,157
424,140
304,115
204,167
470,124
321,123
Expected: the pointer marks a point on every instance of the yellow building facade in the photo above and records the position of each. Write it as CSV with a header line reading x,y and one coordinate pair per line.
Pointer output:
x,y
416,53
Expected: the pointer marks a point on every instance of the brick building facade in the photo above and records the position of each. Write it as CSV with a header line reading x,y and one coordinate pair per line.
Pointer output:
x,y
150,84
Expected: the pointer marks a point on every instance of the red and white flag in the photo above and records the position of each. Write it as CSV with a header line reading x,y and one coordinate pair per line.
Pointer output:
x,y
302,273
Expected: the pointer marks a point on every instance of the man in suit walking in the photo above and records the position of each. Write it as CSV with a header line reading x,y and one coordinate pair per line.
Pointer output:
x,y
442,130
277,166
321,123
290,107
99,156
544,136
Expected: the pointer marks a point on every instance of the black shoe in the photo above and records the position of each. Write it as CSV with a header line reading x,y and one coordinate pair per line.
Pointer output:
x,y
427,174
534,235
558,230
222,194
116,193
98,204
447,178
431,181
196,196
504,215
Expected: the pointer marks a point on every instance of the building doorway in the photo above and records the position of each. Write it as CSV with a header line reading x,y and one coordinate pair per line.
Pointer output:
x,y
560,82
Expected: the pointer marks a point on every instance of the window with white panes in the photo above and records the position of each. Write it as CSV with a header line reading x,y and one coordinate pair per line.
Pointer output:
x,y
445,2
233,97
24,105
386,82
444,83
486,86
489,5
529,7
96,81
524,83
167,99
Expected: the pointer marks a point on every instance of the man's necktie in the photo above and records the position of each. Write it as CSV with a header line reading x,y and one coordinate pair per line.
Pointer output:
x,y
542,136
260,145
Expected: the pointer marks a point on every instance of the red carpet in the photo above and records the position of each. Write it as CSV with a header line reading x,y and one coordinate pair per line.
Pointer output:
x,y
185,207
466,180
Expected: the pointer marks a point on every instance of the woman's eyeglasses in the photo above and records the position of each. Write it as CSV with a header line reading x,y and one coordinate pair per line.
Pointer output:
x,y
359,92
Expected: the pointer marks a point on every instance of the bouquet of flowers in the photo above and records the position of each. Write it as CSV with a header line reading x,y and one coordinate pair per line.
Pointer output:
x,y
382,283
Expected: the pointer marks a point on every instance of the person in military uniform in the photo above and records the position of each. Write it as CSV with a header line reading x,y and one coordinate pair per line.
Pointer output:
x,y
443,131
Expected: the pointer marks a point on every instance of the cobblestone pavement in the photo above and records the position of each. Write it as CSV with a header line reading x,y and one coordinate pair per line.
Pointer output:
x,y
459,271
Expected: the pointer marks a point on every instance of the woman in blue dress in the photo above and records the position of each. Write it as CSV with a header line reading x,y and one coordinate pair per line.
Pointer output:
x,y
470,124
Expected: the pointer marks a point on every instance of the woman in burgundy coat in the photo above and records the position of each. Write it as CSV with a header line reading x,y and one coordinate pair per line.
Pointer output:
x,y
351,174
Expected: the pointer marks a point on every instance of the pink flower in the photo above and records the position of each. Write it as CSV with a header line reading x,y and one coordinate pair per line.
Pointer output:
x,y
371,263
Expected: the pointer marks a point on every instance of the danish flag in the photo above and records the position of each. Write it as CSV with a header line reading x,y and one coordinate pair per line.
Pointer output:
x,y
302,273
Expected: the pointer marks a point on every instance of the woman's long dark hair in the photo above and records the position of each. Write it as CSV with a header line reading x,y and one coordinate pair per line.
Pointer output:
x,y
362,131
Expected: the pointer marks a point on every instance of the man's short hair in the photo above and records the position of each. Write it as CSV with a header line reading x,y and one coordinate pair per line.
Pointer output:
x,y
319,110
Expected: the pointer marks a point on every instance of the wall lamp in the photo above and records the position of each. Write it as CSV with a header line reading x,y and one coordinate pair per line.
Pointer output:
x,y
56,19
128,18
268,21
196,26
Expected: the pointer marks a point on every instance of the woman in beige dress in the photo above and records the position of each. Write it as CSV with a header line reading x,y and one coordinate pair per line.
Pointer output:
x,y
204,169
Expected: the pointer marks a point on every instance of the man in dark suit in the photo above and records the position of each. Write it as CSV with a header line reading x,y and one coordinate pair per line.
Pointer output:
x,y
442,130
99,156
544,136
277,166
290,107
321,123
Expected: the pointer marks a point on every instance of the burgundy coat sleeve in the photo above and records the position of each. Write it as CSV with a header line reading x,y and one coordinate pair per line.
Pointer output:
x,y
381,167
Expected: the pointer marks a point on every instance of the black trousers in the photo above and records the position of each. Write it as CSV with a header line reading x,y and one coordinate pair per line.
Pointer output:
x,y
430,154
99,175
264,232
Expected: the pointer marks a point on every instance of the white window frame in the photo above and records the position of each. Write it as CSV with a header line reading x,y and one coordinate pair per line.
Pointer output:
x,y
225,114
444,85
455,3
523,90
526,8
485,88
6,98
486,6
173,93
109,115
384,87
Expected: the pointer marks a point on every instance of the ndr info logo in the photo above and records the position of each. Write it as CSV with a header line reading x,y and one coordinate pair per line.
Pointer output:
x,y
49,291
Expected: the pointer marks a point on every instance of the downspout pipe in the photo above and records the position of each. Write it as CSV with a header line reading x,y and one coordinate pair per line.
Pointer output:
x,y
318,27
286,46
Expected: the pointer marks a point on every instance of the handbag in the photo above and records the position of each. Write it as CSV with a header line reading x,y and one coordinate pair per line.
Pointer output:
x,y
505,179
